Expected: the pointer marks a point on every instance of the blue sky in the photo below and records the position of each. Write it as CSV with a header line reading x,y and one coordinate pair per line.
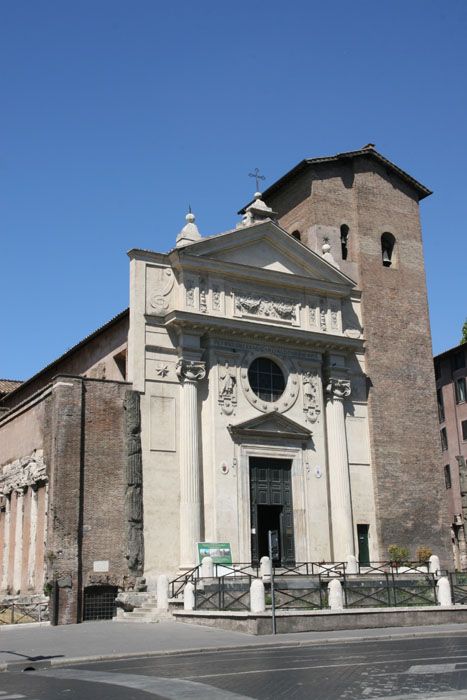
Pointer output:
x,y
116,115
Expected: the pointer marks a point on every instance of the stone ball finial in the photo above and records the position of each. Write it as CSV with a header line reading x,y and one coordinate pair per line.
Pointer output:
x,y
190,217
258,195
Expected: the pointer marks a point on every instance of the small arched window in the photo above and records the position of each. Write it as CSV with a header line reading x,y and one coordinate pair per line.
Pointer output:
x,y
296,234
345,241
388,243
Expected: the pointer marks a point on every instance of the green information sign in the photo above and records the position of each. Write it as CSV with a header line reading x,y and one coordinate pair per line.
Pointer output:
x,y
219,552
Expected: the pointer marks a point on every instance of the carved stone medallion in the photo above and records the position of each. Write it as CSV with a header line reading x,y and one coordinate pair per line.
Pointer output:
x,y
162,282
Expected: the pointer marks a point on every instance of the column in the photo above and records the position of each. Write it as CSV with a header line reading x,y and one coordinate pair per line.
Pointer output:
x,y
6,543
338,467
32,538
18,560
189,373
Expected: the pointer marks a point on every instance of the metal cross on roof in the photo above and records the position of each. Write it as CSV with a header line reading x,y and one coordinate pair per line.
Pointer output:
x,y
257,176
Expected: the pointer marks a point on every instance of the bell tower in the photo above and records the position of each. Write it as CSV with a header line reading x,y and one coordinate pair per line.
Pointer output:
x,y
367,210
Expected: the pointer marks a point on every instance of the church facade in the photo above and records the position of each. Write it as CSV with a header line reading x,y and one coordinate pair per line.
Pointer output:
x,y
274,377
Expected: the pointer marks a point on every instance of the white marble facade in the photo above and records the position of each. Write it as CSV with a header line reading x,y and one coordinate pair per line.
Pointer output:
x,y
199,316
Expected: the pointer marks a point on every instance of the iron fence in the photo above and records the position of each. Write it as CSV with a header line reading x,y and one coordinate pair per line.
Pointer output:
x,y
223,593
389,590
458,583
304,593
177,585
20,613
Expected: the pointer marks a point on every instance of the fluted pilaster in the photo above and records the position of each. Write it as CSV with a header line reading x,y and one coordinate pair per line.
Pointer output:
x,y
339,478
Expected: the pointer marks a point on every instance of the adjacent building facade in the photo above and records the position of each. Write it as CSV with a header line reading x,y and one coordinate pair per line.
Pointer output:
x,y
451,388
276,376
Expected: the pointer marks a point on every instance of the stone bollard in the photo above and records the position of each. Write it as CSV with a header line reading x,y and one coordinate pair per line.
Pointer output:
x,y
434,566
257,597
443,590
335,595
189,597
162,592
207,568
352,565
265,568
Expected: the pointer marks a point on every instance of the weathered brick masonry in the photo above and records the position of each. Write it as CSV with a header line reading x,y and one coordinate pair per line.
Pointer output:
x,y
371,199
88,485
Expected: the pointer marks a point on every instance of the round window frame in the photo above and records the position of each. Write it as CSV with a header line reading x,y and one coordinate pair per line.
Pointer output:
x,y
290,394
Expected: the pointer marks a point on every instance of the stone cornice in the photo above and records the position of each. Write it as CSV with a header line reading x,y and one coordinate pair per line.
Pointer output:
x,y
252,329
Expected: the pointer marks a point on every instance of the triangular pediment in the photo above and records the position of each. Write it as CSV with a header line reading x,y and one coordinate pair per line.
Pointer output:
x,y
272,424
267,246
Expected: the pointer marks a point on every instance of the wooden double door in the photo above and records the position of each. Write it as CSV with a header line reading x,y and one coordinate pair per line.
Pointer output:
x,y
271,507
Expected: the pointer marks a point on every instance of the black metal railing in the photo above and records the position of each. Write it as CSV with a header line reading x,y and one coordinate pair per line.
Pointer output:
x,y
304,593
20,613
177,585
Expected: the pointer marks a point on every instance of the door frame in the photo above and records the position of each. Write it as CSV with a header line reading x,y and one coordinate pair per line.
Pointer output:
x,y
293,453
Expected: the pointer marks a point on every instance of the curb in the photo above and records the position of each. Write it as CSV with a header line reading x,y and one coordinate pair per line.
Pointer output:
x,y
74,660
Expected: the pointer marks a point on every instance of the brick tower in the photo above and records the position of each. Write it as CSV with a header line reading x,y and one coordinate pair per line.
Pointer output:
x,y
368,210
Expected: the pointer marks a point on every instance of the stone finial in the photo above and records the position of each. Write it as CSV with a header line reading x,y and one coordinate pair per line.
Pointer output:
x,y
207,568
189,597
434,564
335,595
257,211
443,590
352,565
257,596
162,592
189,233
265,568
327,255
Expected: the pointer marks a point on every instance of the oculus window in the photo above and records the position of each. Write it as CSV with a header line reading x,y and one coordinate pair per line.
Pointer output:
x,y
266,379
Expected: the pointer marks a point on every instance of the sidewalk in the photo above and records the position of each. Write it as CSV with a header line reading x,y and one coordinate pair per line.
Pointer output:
x,y
102,640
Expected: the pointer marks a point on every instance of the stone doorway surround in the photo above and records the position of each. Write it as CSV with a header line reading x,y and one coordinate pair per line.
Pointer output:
x,y
272,436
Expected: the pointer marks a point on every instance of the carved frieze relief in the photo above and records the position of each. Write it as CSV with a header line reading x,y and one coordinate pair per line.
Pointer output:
x,y
27,471
277,309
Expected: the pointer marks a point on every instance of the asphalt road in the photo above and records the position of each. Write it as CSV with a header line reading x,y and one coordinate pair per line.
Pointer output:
x,y
434,668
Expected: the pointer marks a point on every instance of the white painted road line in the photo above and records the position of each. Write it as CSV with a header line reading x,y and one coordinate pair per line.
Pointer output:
x,y
170,688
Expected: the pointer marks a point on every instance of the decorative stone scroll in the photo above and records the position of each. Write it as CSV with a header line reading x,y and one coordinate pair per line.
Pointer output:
x,y
337,388
311,403
278,309
190,370
227,389
159,296
24,472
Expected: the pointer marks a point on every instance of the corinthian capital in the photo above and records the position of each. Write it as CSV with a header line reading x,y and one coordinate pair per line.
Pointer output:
x,y
190,370
337,388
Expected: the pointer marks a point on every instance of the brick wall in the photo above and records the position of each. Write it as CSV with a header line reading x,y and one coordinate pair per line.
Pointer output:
x,y
409,488
87,490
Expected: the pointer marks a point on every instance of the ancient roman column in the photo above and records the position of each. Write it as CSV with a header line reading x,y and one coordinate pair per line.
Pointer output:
x,y
32,538
337,390
6,543
189,373
18,559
